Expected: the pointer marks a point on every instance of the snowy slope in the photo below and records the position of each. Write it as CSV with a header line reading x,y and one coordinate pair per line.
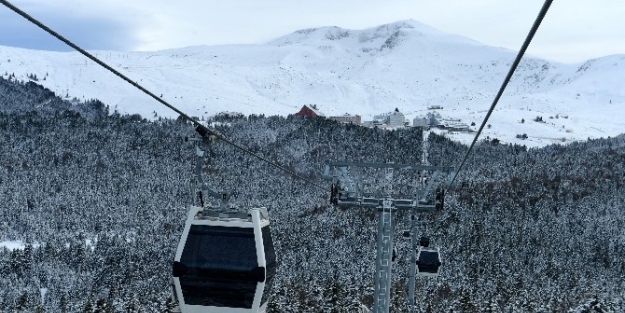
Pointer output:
x,y
405,65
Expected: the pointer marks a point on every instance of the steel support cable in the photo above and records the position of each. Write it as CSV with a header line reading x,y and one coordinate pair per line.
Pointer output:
x,y
519,56
201,129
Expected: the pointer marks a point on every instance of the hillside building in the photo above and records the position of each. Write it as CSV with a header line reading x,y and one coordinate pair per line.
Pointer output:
x,y
227,114
454,126
381,118
396,119
420,122
429,120
436,120
347,118
309,111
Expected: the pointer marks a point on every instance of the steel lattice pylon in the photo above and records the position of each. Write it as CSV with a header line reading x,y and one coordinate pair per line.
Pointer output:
x,y
351,196
384,264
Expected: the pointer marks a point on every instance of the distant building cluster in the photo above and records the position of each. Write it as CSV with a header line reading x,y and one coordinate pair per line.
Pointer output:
x,y
227,114
393,119
390,120
434,119
312,111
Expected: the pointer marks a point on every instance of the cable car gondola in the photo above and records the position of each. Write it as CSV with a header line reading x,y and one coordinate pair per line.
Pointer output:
x,y
225,262
428,262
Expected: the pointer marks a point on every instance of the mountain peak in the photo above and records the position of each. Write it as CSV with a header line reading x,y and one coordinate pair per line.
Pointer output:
x,y
385,36
405,25
312,35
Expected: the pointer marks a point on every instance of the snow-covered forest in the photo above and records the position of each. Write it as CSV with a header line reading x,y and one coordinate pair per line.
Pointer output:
x,y
99,201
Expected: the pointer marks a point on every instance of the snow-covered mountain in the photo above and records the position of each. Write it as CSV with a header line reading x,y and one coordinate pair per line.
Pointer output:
x,y
405,65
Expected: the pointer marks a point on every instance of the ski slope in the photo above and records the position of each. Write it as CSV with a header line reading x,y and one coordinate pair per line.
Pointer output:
x,y
405,65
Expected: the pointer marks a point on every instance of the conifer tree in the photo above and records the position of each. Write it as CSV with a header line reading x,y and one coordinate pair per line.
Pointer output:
x,y
63,303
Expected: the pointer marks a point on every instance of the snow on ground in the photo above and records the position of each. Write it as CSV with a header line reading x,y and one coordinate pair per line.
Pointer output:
x,y
12,245
89,243
405,65
15,244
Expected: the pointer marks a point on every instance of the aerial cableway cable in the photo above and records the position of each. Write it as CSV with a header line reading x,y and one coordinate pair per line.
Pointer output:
x,y
201,129
519,56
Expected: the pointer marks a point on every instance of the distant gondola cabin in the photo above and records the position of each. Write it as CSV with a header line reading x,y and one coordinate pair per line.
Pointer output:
x,y
428,262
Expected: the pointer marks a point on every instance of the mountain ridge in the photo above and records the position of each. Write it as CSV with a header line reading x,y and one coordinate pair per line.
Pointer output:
x,y
406,65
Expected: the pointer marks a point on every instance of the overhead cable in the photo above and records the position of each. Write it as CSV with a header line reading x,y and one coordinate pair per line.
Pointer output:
x,y
201,129
519,56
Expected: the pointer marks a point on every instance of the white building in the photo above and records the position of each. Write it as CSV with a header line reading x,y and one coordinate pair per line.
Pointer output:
x,y
432,119
420,122
396,119
346,118
456,126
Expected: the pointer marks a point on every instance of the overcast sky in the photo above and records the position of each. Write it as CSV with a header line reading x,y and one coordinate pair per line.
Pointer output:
x,y
573,31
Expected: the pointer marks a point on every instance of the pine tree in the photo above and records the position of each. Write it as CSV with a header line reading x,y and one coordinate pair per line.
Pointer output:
x,y
102,306
23,302
133,305
88,307
112,299
16,262
492,306
63,303
465,301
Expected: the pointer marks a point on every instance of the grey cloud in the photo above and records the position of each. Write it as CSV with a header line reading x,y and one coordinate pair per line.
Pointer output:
x,y
90,34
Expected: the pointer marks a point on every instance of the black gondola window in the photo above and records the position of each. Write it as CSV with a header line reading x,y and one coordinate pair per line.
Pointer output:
x,y
220,264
